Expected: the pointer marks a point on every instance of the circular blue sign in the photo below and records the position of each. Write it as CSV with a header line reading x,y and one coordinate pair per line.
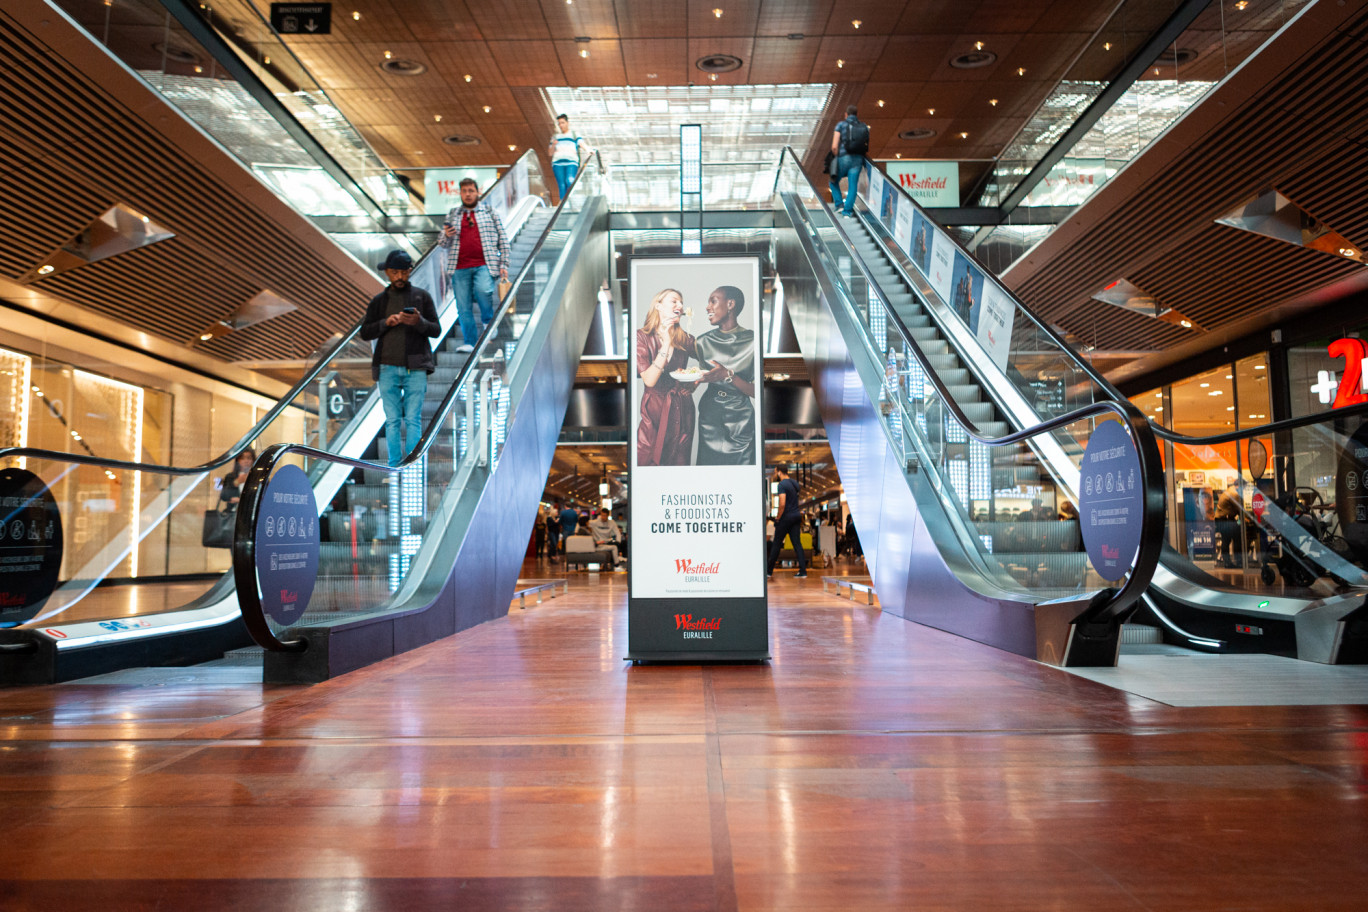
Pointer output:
x,y
287,545
1111,500
30,545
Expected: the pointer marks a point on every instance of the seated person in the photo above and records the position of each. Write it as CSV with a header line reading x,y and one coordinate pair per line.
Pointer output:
x,y
607,535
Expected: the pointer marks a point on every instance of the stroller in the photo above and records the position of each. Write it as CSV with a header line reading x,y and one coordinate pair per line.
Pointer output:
x,y
1307,547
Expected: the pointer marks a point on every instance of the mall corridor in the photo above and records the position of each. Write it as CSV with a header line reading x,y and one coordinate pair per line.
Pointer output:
x,y
521,764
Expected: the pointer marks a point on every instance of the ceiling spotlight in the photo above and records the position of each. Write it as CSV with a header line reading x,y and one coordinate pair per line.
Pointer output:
x,y
880,102
584,52
205,337
1106,45
266,61
1186,324
1241,4
1021,71
1230,408
467,77
1348,251
1156,71
437,117
856,22
1204,385
840,64
931,111
897,154
199,69
356,14
713,77
46,270
993,102
388,55
487,109
650,75
512,147
717,13
964,136
978,45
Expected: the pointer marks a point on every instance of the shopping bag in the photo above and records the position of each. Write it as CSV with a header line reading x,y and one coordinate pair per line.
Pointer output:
x,y
218,529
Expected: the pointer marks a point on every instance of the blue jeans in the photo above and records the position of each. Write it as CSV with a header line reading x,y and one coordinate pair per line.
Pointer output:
x,y
401,392
478,283
847,166
565,175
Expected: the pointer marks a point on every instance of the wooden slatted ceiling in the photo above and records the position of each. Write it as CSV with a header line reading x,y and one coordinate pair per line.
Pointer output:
x,y
1303,133
71,149
904,45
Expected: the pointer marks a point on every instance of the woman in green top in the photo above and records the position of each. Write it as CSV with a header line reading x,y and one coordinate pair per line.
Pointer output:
x,y
726,410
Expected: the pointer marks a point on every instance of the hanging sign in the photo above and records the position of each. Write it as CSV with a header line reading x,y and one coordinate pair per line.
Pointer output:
x,y
287,545
696,515
301,18
30,545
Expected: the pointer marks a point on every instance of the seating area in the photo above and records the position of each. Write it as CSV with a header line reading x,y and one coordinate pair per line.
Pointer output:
x,y
580,551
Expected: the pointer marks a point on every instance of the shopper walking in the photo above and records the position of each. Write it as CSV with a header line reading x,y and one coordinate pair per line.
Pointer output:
x,y
850,144
788,524
566,150
477,253
400,320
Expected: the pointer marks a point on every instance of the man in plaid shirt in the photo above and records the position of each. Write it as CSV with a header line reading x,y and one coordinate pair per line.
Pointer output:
x,y
477,251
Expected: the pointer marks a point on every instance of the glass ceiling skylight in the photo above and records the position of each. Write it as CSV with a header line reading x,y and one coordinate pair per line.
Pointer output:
x,y
636,130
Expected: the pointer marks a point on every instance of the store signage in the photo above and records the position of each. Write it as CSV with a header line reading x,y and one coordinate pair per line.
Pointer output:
x,y
287,545
933,184
696,515
30,545
301,18
1111,503
1354,388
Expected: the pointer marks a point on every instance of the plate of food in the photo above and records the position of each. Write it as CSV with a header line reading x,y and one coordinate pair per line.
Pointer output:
x,y
686,374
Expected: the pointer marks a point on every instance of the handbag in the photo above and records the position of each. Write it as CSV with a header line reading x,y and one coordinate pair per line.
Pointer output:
x,y
218,529
504,287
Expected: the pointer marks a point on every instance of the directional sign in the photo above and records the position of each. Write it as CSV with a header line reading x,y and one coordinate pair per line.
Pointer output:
x,y
301,18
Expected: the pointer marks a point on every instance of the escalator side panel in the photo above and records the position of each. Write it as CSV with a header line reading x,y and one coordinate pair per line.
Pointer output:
x,y
913,579
484,558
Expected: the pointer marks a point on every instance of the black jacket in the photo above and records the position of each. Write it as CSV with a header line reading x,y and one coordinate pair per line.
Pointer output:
x,y
416,345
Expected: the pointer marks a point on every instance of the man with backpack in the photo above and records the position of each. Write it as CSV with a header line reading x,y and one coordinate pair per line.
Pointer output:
x,y
850,144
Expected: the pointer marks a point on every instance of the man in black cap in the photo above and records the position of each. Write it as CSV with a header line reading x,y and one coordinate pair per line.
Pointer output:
x,y
402,318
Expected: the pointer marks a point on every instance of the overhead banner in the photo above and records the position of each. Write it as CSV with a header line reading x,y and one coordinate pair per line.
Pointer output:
x,y
443,186
696,514
933,184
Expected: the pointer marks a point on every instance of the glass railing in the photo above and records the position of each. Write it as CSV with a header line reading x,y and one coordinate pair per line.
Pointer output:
x,y
944,429
1278,533
115,510
380,528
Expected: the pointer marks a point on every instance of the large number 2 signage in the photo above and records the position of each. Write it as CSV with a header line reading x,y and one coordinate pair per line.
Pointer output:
x,y
1354,352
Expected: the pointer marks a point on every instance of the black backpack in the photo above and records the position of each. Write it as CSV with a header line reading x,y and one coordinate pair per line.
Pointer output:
x,y
857,139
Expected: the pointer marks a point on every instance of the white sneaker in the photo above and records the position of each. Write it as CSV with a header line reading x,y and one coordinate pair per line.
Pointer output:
x,y
464,349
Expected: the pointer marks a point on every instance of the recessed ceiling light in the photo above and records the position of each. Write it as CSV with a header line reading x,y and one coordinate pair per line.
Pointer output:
x,y
1230,408
1253,416
650,75
1348,251
717,13
993,102
931,111
1158,395
512,147
1186,324
205,337
1156,71
1241,4
713,77
880,102
1258,367
897,154
356,14
487,109
840,63
978,45
1214,393
1106,45
1204,385
437,117
584,52
467,77
388,55
266,61
856,22
199,69
1021,71
964,136
46,270
1158,408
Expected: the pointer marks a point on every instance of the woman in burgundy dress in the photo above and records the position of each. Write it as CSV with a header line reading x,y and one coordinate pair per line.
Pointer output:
x,y
665,433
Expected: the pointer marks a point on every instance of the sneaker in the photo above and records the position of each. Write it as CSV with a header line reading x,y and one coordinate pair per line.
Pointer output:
x,y
464,349
800,575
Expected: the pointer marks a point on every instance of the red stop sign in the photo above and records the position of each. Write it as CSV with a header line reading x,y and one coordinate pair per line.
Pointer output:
x,y
1258,503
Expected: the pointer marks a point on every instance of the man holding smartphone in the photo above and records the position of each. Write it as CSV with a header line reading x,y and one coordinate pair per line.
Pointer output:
x,y
401,319
477,253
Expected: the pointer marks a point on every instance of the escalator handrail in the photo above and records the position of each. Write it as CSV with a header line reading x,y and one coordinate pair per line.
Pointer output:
x,y
1106,385
1152,519
249,505
232,453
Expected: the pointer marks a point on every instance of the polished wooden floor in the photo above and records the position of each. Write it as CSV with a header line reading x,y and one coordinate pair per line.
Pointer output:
x,y
874,764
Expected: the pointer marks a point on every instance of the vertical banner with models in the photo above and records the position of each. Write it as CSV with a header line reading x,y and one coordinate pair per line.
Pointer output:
x,y
696,514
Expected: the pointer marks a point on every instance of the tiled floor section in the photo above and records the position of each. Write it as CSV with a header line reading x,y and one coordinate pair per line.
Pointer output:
x,y
874,764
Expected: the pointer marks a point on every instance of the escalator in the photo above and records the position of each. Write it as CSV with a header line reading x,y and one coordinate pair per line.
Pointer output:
x,y
379,528
921,360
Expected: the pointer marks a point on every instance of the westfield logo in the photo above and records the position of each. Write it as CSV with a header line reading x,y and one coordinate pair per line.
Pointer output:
x,y
1110,553
683,565
687,622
